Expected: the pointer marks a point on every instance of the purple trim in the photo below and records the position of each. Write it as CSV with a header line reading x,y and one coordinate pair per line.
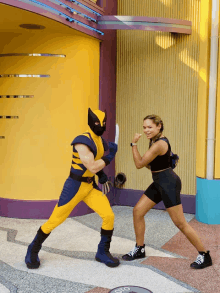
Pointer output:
x,y
35,209
129,197
107,86
28,209
50,15
144,28
144,18
22,209
167,24
100,4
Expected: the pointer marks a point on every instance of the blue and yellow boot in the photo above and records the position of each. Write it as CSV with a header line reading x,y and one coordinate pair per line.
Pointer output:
x,y
31,259
103,255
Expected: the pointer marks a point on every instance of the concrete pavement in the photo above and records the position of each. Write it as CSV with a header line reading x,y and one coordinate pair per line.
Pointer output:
x,y
67,256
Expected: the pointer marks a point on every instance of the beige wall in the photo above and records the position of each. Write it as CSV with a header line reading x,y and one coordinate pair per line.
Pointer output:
x,y
157,73
35,155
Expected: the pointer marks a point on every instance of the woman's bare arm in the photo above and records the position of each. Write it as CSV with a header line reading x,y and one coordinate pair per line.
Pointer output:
x,y
148,157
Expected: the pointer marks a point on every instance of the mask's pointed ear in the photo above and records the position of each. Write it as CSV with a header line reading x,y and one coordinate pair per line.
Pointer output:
x,y
92,114
105,119
92,118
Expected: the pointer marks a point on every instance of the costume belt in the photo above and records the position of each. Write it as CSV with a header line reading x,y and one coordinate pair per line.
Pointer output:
x,y
81,179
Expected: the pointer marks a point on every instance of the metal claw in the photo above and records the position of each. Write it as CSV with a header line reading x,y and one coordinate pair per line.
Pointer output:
x,y
106,187
110,183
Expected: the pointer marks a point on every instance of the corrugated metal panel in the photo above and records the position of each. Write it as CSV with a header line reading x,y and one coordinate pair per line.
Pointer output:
x,y
157,73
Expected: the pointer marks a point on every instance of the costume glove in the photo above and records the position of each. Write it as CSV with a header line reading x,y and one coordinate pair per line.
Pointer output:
x,y
103,179
113,148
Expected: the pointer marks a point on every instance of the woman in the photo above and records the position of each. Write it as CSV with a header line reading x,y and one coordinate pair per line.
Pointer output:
x,y
166,187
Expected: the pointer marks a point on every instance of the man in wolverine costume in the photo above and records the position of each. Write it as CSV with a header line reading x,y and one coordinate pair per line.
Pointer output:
x,y
88,159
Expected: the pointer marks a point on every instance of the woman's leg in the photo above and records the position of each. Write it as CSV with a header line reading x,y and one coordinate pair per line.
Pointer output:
x,y
147,201
141,208
177,216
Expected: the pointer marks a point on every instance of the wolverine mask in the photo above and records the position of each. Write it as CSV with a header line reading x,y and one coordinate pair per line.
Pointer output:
x,y
97,121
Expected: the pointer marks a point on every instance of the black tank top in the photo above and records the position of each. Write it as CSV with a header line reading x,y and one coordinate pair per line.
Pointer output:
x,y
161,162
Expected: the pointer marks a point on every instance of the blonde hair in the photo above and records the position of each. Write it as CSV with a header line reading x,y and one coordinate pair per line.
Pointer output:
x,y
156,120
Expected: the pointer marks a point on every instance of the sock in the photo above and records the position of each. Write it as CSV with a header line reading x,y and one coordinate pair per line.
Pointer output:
x,y
203,252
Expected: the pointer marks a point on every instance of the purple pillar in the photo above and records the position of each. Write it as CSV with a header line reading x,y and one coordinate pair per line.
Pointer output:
x,y
107,87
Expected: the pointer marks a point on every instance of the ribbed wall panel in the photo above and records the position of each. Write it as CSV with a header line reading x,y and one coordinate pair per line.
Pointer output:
x,y
157,73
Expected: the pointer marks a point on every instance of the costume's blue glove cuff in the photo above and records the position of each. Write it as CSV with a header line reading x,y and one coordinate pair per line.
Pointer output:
x,y
105,159
113,148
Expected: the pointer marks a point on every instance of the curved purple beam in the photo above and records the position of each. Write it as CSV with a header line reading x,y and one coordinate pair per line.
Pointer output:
x,y
53,14
119,22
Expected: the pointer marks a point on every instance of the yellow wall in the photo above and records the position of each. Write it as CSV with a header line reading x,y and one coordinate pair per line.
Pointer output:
x,y
36,153
203,97
157,73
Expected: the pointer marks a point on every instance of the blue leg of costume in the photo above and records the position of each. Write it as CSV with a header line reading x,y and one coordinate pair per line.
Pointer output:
x,y
100,204
74,192
103,255
69,198
31,259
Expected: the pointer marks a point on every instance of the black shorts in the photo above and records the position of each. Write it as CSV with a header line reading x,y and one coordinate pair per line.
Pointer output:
x,y
166,187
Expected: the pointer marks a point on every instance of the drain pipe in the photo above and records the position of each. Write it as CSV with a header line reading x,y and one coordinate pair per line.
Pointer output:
x,y
212,91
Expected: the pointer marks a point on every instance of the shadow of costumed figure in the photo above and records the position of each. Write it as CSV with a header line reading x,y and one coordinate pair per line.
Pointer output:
x,y
88,159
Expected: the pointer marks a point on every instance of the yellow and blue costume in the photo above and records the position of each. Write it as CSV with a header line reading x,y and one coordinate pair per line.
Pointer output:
x,y
81,186
76,191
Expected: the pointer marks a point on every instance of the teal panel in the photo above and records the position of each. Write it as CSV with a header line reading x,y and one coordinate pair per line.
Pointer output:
x,y
208,201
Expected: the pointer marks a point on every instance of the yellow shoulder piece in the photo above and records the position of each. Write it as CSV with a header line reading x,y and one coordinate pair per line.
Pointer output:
x,y
87,135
